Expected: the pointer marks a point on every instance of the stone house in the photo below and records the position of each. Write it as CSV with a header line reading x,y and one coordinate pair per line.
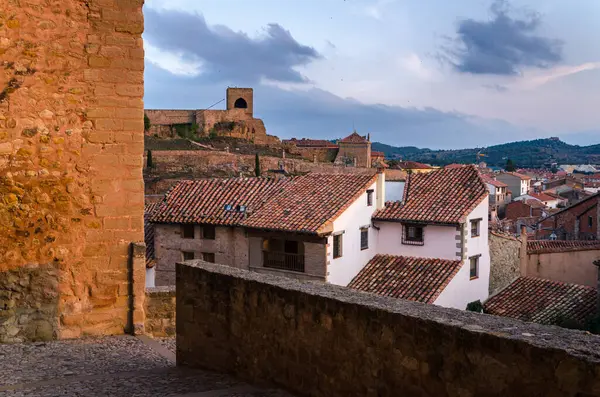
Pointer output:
x,y
518,184
577,222
314,227
498,194
354,150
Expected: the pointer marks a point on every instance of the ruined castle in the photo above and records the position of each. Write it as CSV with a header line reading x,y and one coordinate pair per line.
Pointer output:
x,y
236,121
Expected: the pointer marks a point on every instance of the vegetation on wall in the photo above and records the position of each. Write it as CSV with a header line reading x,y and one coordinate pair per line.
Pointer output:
x,y
147,123
475,306
256,165
149,162
187,131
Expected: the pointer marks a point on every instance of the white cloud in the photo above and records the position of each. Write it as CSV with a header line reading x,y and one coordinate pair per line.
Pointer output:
x,y
376,10
414,64
172,62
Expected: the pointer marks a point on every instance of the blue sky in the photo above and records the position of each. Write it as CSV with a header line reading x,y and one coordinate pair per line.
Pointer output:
x,y
427,73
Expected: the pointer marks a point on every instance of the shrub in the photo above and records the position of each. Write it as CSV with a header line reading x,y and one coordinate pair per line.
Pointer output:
x,y
475,306
147,123
257,165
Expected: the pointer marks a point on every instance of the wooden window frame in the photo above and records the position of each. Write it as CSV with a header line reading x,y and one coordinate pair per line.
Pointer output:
x,y
340,246
188,227
406,240
209,236
477,224
205,254
476,258
363,230
183,255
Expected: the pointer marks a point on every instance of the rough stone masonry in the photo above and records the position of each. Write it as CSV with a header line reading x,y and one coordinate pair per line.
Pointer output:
x,y
71,154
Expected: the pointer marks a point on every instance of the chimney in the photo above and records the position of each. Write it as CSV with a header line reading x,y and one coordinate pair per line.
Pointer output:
x,y
369,137
523,254
380,188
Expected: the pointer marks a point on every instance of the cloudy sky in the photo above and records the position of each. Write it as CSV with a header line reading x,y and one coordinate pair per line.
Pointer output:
x,y
427,73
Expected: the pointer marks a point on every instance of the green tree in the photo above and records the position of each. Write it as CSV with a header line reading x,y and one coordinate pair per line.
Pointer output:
x,y
147,123
149,162
510,166
554,169
257,165
475,306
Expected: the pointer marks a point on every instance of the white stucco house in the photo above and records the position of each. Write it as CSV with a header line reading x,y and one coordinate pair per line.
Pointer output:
x,y
433,242
518,184
336,228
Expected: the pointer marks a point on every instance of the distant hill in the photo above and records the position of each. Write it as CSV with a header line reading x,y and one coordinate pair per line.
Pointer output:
x,y
537,153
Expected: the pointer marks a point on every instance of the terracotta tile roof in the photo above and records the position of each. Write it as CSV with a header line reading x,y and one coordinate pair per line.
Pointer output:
x,y
521,176
533,203
452,166
204,200
542,196
354,138
548,246
543,301
149,233
443,196
413,165
493,181
304,142
415,279
311,202
377,154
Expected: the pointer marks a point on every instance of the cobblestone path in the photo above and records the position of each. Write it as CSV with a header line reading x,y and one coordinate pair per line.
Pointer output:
x,y
120,366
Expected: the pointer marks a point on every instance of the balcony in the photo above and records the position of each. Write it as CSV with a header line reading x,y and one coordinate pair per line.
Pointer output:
x,y
283,261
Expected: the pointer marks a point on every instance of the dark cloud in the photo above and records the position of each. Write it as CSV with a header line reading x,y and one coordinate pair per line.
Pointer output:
x,y
227,55
502,45
316,113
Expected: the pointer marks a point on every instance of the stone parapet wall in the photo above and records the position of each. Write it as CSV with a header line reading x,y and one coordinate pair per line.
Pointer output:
x,y
323,340
504,260
160,311
71,155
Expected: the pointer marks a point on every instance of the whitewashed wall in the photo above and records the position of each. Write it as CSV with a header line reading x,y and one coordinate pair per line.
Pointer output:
x,y
440,241
342,270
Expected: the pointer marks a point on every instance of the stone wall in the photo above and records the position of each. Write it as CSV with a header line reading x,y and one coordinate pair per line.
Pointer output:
x,y
359,151
71,155
504,260
171,166
160,311
322,340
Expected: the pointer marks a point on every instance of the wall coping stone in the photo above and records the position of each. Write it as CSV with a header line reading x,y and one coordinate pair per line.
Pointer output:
x,y
167,290
579,344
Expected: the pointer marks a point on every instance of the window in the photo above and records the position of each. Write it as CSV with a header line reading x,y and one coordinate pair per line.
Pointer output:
x,y
474,268
412,235
337,246
590,222
187,256
208,232
208,257
369,198
187,231
475,227
364,238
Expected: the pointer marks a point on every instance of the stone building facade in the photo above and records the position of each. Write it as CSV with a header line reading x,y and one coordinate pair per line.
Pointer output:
x,y
577,222
354,150
236,121
71,155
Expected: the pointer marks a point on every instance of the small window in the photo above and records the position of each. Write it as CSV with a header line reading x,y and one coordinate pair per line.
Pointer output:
x,y
475,227
208,232
369,198
364,238
187,256
474,268
337,246
413,235
208,257
590,222
187,231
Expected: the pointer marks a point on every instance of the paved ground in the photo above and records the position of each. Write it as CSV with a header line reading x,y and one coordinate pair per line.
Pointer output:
x,y
114,366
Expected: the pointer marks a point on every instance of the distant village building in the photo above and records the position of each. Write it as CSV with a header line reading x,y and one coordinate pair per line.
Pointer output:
x,y
577,222
498,193
413,167
354,150
236,121
518,184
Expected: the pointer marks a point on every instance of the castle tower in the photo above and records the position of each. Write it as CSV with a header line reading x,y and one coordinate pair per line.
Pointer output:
x,y
241,98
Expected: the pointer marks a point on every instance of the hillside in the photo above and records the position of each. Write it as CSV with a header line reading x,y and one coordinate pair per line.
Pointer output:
x,y
528,154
